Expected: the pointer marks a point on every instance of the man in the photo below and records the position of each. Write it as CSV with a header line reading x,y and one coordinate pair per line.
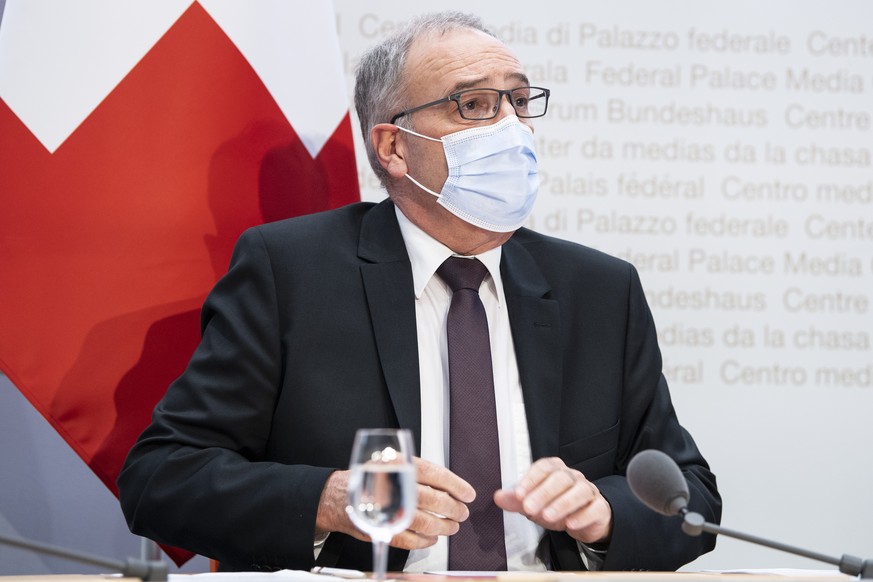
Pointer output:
x,y
337,321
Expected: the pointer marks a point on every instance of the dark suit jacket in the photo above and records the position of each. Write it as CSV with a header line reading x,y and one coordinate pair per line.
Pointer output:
x,y
311,335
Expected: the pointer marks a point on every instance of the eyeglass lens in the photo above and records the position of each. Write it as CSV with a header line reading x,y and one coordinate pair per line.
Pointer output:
x,y
484,103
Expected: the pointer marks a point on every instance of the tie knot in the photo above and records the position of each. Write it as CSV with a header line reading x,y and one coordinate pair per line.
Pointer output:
x,y
461,273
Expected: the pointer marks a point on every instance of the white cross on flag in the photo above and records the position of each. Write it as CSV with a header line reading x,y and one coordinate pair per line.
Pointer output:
x,y
138,139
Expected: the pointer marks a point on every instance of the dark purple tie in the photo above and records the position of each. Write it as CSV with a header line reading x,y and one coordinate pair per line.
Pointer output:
x,y
474,450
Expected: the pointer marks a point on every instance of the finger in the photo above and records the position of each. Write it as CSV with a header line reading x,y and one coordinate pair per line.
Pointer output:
x,y
442,479
537,472
412,540
579,496
548,490
441,503
430,524
507,500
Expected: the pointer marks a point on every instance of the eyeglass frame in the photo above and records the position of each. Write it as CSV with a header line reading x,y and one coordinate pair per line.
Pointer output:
x,y
456,97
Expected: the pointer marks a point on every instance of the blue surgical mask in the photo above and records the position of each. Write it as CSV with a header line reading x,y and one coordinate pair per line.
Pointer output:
x,y
492,180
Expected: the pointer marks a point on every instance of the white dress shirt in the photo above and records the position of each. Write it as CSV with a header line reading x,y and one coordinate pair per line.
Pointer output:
x,y
432,299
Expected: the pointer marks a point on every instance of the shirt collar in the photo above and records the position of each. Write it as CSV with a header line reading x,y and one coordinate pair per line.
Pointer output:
x,y
427,254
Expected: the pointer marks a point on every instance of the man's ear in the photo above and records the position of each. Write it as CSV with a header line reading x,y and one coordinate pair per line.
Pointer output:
x,y
389,149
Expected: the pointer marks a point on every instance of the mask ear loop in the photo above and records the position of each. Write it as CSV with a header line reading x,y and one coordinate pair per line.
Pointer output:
x,y
420,185
413,180
418,134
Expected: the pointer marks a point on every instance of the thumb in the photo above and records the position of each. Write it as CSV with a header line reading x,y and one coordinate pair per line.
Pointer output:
x,y
507,500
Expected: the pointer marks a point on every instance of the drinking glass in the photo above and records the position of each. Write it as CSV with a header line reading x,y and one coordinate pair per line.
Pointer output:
x,y
383,494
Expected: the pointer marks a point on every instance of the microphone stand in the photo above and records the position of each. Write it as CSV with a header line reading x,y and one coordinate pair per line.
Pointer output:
x,y
146,570
694,524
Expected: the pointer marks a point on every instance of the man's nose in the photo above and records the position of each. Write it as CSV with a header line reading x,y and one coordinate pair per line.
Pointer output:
x,y
506,107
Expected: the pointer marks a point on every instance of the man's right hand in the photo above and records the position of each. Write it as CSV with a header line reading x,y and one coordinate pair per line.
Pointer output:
x,y
442,499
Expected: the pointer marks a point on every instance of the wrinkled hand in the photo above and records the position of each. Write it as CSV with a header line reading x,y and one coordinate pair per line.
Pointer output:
x,y
558,498
442,499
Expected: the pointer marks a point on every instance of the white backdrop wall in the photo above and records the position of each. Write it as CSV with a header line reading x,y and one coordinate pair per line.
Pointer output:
x,y
725,149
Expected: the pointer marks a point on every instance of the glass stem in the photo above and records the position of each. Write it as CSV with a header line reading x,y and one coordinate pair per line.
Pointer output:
x,y
380,560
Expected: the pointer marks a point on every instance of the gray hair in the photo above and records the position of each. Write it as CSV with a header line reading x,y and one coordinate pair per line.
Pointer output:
x,y
380,88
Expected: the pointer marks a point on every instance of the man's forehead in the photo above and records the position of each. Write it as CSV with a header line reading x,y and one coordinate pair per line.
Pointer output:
x,y
460,59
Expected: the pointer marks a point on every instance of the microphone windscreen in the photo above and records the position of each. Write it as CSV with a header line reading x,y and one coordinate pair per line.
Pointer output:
x,y
657,481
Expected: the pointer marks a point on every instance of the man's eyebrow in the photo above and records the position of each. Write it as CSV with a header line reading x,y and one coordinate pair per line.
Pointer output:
x,y
477,83
521,77
470,84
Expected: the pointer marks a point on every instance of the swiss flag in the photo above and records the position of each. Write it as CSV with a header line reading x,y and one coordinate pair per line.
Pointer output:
x,y
137,141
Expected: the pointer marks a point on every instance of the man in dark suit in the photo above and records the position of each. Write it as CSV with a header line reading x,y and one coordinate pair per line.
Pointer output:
x,y
332,322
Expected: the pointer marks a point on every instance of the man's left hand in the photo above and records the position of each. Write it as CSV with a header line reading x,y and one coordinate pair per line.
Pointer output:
x,y
559,498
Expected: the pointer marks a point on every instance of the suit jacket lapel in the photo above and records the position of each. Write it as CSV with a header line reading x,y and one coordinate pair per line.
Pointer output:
x,y
535,323
387,277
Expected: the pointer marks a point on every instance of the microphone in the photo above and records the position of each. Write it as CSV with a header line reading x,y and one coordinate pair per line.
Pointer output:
x,y
147,571
656,480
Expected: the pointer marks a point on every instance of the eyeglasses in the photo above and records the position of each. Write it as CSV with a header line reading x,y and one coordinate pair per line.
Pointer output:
x,y
480,104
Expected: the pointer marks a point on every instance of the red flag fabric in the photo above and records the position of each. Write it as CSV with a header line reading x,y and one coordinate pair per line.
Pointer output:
x,y
114,228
